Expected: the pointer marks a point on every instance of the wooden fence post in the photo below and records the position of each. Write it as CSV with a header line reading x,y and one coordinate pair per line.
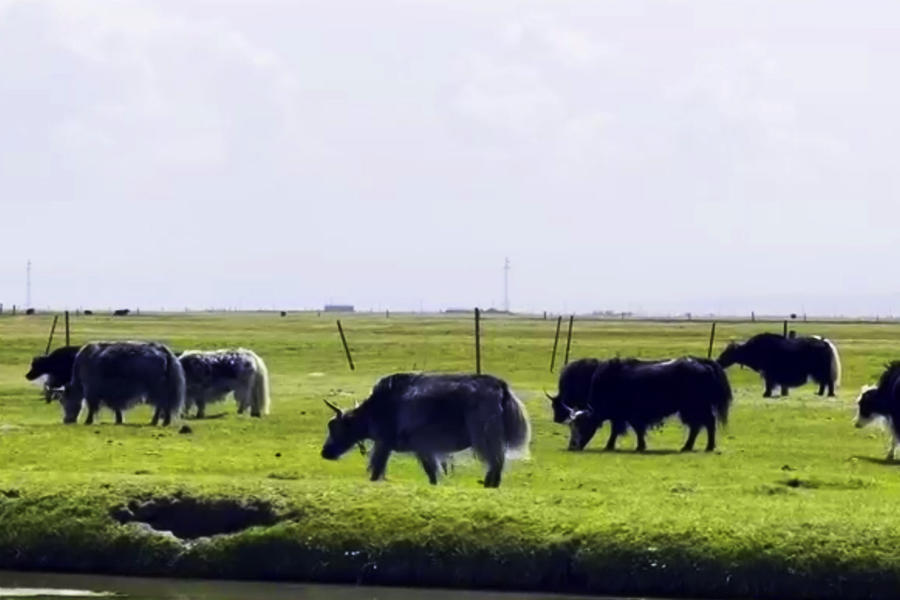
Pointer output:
x,y
346,347
569,339
477,341
50,339
555,343
784,333
712,338
67,328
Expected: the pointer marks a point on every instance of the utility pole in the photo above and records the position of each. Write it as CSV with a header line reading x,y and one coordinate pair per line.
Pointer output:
x,y
506,268
28,284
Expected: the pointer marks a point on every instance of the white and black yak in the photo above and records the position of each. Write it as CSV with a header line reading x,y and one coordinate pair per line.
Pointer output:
x,y
787,362
641,394
882,401
121,375
55,369
433,416
211,375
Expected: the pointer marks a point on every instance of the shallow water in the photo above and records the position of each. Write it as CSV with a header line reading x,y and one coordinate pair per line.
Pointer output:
x,y
47,585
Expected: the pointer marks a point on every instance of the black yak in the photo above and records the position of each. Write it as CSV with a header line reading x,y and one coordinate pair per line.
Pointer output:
x,y
787,362
122,312
55,368
574,388
433,416
642,394
882,400
212,375
122,374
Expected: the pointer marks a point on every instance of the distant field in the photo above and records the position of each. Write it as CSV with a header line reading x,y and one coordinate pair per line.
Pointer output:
x,y
795,503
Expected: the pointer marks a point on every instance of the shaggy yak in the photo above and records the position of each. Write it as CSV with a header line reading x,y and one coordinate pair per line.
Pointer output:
x,y
641,395
882,400
55,368
122,374
787,362
433,416
210,376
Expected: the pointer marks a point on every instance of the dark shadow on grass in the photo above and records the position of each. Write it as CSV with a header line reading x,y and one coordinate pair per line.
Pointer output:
x,y
878,461
207,417
626,452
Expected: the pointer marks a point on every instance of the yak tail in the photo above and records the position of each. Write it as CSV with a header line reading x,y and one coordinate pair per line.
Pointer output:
x,y
259,389
720,390
175,384
835,363
516,426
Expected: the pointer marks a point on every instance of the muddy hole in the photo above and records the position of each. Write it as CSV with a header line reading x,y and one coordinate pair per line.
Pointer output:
x,y
191,518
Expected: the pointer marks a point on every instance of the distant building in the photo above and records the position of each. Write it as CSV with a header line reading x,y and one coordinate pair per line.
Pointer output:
x,y
338,308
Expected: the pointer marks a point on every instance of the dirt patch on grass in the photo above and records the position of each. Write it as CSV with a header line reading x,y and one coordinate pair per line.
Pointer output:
x,y
192,518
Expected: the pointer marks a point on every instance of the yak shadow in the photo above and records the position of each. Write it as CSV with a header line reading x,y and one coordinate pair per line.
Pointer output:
x,y
207,417
878,461
627,452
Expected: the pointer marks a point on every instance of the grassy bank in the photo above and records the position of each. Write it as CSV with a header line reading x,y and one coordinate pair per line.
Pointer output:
x,y
796,503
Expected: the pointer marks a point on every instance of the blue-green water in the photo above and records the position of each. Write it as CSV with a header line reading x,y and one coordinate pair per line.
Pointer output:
x,y
47,585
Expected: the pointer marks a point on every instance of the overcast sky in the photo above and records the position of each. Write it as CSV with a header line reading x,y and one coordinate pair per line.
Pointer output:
x,y
662,156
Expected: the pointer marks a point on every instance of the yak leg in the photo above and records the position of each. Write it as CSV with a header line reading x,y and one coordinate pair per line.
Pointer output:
x,y
156,414
430,464
640,432
784,390
378,462
692,437
118,416
495,471
167,417
201,408
770,385
92,406
710,433
831,388
821,391
615,430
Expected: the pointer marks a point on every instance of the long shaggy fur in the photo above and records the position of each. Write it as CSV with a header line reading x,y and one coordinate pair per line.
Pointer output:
x,y
882,400
434,416
122,374
642,394
212,375
787,362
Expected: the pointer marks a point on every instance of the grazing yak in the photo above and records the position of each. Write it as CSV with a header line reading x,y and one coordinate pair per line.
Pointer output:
x,y
433,416
641,394
55,368
210,376
882,400
122,374
787,362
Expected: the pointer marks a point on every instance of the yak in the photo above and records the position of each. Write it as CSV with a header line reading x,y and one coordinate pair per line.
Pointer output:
x,y
641,394
212,375
787,362
882,400
122,374
574,388
55,368
433,416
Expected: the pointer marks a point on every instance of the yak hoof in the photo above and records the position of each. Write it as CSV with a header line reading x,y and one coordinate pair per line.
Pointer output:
x,y
687,449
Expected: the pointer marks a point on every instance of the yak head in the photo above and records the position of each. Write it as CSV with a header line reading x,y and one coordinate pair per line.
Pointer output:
x,y
869,406
562,413
730,355
583,425
71,403
345,430
39,367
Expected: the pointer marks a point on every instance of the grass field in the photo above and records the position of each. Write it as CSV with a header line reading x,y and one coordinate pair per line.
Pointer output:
x,y
796,503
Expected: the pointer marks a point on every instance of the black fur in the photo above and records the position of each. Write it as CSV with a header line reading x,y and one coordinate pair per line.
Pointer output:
x,y
56,366
433,416
785,362
883,401
642,394
122,374
574,388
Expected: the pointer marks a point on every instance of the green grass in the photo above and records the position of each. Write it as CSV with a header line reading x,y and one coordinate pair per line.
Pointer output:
x,y
796,503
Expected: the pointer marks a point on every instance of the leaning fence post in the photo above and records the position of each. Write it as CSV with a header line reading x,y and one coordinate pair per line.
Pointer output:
x,y
784,333
712,338
67,328
569,339
346,347
555,343
477,341
50,339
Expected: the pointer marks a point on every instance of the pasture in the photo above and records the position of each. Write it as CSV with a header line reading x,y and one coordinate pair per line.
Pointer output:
x,y
796,502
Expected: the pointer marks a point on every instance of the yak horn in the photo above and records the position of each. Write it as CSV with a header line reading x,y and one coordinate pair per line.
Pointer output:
x,y
337,410
549,397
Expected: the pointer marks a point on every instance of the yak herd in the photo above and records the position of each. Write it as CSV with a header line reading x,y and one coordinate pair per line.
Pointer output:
x,y
436,415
